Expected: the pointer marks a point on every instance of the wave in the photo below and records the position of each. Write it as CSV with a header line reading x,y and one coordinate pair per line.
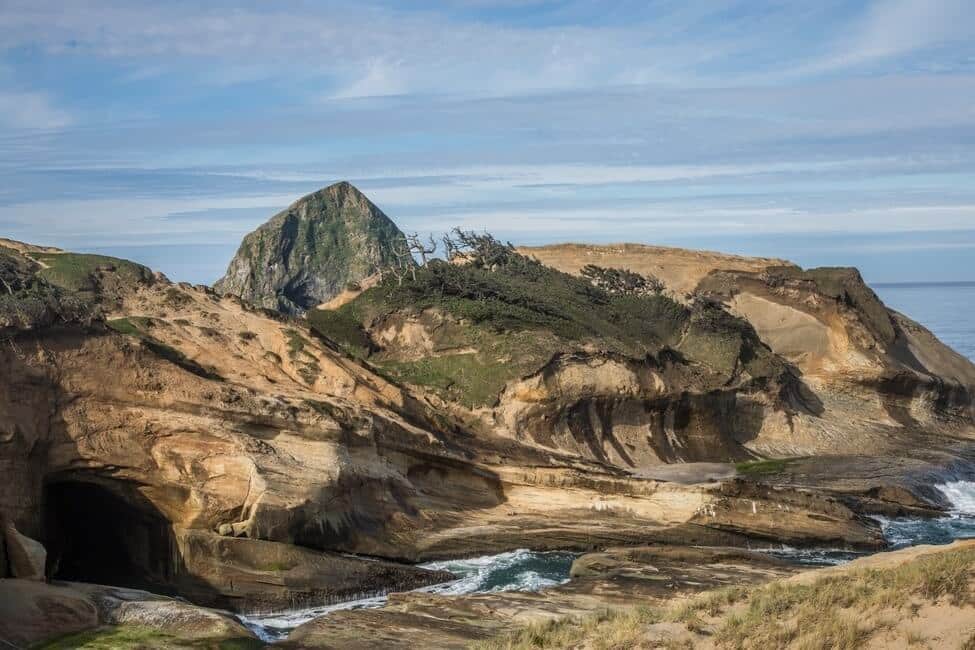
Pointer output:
x,y
520,570
961,496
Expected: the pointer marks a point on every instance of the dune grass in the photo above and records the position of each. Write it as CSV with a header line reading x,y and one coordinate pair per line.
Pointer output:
x,y
838,611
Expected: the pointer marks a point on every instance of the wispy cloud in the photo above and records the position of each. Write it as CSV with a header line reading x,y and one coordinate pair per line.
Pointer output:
x,y
183,122
30,111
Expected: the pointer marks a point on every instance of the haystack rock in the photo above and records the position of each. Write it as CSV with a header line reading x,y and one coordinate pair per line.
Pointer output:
x,y
308,253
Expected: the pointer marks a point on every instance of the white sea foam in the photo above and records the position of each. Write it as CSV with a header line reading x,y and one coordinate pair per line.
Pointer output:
x,y
961,495
520,570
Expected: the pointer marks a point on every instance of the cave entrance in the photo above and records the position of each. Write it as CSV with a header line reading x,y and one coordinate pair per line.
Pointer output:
x,y
94,534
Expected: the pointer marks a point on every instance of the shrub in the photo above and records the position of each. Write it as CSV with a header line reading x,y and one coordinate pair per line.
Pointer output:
x,y
342,328
622,282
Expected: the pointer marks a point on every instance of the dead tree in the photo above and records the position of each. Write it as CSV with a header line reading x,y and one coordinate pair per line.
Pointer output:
x,y
416,245
403,262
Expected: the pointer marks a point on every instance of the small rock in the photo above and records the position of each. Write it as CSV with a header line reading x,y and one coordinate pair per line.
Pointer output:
x,y
226,530
26,556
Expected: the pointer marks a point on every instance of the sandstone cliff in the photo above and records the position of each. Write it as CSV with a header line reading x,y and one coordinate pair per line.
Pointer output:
x,y
171,437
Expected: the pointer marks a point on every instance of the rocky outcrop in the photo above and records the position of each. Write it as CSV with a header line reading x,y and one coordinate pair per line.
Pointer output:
x,y
183,440
33,613
26,557
867,380
308,253
617,577
193,444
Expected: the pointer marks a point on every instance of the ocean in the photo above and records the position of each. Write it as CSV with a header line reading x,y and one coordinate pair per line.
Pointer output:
x,y
945,308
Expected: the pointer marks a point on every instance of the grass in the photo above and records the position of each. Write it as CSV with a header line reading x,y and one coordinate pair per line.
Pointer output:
x,y
126,636
132,326
78,272
839,611
131,637
763,467
605,630
517,313
296,343
341,328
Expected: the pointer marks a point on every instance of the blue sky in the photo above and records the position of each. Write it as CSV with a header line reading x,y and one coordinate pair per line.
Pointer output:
x,y
827,132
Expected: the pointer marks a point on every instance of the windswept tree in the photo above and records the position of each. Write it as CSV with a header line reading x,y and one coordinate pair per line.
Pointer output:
x,y
417,246
622,282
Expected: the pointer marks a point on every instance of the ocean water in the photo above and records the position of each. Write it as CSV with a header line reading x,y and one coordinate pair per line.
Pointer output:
x,y
947,309
525,570
520,570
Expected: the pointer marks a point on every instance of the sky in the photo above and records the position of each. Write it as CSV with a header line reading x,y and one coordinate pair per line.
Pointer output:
x,y
827,132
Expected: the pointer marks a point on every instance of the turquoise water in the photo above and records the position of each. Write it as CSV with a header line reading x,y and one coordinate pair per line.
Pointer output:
x,y
947,309
520,570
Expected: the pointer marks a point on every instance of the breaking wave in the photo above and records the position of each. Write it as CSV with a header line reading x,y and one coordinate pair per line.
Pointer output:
x,y
520,570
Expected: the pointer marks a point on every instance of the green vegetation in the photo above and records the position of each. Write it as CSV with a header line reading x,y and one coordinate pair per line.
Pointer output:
x,y
764,467
486,361
132,637
838,611
28,301
341,328
622,281
131,326
81,272
507,315
113,638
307,364
296,343
524,295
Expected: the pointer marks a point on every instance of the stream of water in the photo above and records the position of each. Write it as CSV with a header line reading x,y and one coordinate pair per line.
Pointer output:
x,y
524,570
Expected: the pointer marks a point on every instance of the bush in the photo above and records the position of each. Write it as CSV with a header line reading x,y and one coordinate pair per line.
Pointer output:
x,y
621,282
341,328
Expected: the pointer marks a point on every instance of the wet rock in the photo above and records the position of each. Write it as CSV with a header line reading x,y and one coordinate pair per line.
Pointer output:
x,y
614,578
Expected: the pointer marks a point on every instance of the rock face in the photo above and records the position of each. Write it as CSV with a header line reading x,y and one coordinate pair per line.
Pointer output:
x,y
26,557
618,577
179,439
308,253
872,380
33,612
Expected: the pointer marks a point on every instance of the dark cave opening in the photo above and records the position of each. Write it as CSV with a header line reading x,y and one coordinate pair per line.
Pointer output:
x,y
94,534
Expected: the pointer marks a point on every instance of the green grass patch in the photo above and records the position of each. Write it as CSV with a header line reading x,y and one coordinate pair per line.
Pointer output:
x,y
296,343
114,638
764,467
342,328
132,637
80,272
466,378
131,326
